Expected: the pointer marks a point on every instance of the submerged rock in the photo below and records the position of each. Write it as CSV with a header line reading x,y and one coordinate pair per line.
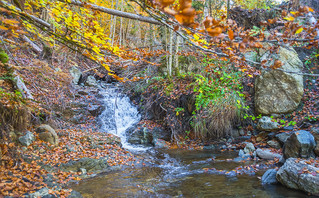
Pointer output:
x,y
292,175
299,145
89,164
269,177
265,123
47,134
27,139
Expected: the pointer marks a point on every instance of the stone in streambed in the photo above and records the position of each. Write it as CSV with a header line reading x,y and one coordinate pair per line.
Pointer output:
x,y
300,144
249,148
267,154
282,137
292,175
274,144
269,177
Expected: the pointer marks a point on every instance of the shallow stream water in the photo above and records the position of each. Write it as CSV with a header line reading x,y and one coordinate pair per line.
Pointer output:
x,y
172,173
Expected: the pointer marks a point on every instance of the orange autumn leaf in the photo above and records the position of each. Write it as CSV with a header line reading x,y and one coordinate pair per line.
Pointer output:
x,y
231,34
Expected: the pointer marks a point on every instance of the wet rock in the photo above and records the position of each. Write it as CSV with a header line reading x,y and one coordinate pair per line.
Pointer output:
x,y
140,135
282,137
76,74
290,175
242,156
241,132
75,194
113,139
267,154
241,153
209,147
277,92
91,82
143,135
89,164
249,148
40,193
299,145
269,177
47,134
266,124
27,139
159,143
274,144
96,110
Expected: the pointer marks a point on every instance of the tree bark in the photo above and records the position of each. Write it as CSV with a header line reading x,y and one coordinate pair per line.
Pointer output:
x,y
116,12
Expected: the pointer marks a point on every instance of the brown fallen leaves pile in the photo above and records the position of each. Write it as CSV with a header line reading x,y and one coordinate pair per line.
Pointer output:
x,y
19,177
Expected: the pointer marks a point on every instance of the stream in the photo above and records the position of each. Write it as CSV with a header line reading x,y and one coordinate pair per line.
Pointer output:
x,y
172,173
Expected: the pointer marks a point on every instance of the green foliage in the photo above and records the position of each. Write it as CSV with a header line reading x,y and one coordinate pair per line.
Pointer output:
x,y
255,4
198,5
219,102
4,58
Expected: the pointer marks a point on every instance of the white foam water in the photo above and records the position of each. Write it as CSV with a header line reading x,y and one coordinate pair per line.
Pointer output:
x,y
119,115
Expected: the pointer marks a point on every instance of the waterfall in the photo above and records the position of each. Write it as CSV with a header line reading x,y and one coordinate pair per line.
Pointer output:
x,y
119,115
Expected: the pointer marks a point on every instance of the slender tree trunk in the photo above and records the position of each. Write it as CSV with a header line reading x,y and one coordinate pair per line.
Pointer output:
x,y
170,62
176,55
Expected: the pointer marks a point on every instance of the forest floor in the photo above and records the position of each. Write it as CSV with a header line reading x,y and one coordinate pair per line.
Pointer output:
x,y
25,170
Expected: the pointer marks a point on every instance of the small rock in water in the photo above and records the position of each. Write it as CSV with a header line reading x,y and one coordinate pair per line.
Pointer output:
x,y
83,171
249,148
267,154
269,177
209,147
241,153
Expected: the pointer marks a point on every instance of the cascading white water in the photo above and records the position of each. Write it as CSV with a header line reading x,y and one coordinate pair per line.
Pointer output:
x,y
119,115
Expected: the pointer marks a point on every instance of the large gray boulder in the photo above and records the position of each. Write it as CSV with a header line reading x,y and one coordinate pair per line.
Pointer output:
x,y
297,174
76,74
265,123
300,144
278,92
47,134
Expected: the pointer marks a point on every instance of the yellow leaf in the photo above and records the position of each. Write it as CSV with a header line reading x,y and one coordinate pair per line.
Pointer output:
x,y
10,21
3,28
299,30
290,18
